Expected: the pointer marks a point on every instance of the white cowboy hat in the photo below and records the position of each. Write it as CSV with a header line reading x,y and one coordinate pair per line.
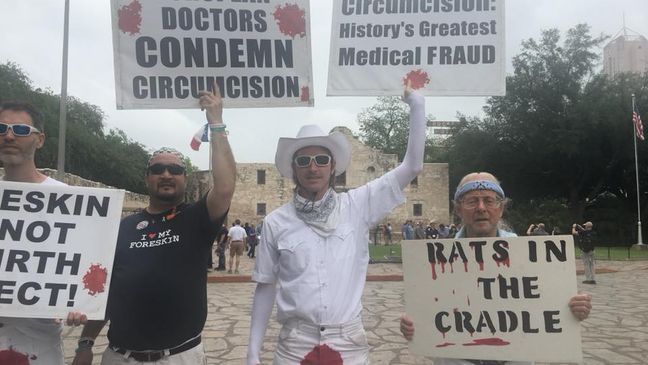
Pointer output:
x,y
312,135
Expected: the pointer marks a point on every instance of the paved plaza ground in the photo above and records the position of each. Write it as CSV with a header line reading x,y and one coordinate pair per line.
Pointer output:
x,y
615,333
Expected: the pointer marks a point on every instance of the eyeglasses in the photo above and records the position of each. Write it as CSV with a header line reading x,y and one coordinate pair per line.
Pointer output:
x,y
489,202
158,169
20,130
305,160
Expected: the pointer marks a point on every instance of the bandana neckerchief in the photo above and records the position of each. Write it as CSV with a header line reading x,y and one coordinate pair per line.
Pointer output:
x,y
321,216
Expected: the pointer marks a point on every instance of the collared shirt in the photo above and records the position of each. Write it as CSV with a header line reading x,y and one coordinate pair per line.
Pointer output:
x,y
237,233
321,279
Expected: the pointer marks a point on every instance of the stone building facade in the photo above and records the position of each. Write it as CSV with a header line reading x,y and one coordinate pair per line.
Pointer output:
x,y
260,188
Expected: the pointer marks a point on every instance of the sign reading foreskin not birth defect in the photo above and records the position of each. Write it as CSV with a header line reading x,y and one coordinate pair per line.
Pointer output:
x,y
167,51
440,47
500,298
57,246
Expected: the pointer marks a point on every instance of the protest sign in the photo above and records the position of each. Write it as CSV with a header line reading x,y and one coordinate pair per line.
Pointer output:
x,y
500,298
444,47
57,245
166,51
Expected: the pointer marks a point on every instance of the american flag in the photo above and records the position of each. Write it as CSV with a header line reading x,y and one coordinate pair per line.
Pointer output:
x,y
636,119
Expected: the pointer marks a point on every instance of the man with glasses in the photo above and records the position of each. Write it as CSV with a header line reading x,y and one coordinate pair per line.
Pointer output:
x,y
21,134
480,202
157,304
314,251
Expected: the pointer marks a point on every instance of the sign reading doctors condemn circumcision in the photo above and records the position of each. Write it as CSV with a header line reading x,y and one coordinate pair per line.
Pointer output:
x,y
257,52
444,47
500,298
57,245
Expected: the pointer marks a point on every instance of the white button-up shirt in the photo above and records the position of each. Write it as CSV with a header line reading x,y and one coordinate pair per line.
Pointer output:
x,y
321,279
237,233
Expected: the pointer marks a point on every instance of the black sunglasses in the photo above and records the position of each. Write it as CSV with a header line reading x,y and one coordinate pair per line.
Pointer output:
x,y
305,160
158,169
20,130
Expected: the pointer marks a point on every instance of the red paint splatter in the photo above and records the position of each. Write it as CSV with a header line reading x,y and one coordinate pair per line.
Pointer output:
x,y
434,274
506,262
445,344
305,93
322,355
291,20
465,266
94,279
151,235
418,79
130,17
11,357
494,341
443,267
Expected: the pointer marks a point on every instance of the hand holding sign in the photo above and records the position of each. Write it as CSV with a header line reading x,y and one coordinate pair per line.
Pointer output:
x,y
212,102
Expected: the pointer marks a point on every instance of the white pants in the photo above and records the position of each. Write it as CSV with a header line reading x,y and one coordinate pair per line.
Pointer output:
x,y
31,340
193,356
303,343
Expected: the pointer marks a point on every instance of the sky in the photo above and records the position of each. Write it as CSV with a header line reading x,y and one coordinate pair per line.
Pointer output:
x,y
31,35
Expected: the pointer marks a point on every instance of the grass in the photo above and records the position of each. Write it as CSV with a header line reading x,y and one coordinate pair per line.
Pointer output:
x,y
602,253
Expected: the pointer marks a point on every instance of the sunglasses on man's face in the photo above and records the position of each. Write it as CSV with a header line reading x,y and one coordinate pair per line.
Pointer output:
x,y
305,160
20,130
158,169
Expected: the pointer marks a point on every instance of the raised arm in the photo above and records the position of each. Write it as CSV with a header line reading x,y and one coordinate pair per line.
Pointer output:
x,y
413,161
223,164
264,297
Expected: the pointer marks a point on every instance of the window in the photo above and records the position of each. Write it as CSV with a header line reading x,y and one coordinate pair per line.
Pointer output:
x,y
261,209
414,182
341,180
260,177
418,210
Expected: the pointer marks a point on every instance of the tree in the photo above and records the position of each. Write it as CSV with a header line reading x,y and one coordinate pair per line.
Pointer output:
x,y
561,131
385,127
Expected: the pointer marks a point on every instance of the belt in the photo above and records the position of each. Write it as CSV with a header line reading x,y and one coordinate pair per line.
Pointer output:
x,y
150,356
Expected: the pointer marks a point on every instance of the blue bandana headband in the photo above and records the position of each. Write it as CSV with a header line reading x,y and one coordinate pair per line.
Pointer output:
x,y
479,185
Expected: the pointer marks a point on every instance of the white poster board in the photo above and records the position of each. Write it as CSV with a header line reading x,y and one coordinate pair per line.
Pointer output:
x,y
166,51
57,245
445,48
493,298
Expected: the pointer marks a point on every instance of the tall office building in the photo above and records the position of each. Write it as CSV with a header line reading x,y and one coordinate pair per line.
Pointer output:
x,y
626,52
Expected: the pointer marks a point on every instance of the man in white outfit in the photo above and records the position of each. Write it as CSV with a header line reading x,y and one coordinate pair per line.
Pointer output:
x,y
314,252
36,339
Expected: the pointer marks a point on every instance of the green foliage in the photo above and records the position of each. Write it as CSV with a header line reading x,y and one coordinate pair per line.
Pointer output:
x,y
385,125
561,133
112,158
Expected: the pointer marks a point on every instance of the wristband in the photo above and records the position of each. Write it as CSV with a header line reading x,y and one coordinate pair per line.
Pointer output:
x,y
85,343
217,128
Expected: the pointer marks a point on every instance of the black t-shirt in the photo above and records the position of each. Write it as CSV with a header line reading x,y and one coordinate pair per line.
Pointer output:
x,y
158,289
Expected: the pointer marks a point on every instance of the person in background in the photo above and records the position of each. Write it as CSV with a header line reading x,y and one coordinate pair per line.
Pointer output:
x,y
586,237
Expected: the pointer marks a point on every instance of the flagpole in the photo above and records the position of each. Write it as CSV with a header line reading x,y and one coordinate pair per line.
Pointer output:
x,y
639,244
60,163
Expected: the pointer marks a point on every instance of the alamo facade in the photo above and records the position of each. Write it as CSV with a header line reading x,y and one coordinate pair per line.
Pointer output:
x,y
260,188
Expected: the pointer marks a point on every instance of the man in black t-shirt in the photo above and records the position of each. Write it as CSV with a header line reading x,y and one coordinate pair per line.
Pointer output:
x,y
157,304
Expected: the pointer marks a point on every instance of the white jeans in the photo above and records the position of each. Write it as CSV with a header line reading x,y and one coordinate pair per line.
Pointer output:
x,y
303,343
193,356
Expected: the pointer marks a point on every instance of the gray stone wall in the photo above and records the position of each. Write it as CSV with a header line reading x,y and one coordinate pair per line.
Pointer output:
x,y
431,190
132,201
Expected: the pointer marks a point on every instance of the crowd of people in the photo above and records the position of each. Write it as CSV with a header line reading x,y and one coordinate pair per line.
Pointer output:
x,y
311,253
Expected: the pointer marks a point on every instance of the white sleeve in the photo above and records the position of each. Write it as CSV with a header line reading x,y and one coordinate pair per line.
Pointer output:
x,y
264,297
413,160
